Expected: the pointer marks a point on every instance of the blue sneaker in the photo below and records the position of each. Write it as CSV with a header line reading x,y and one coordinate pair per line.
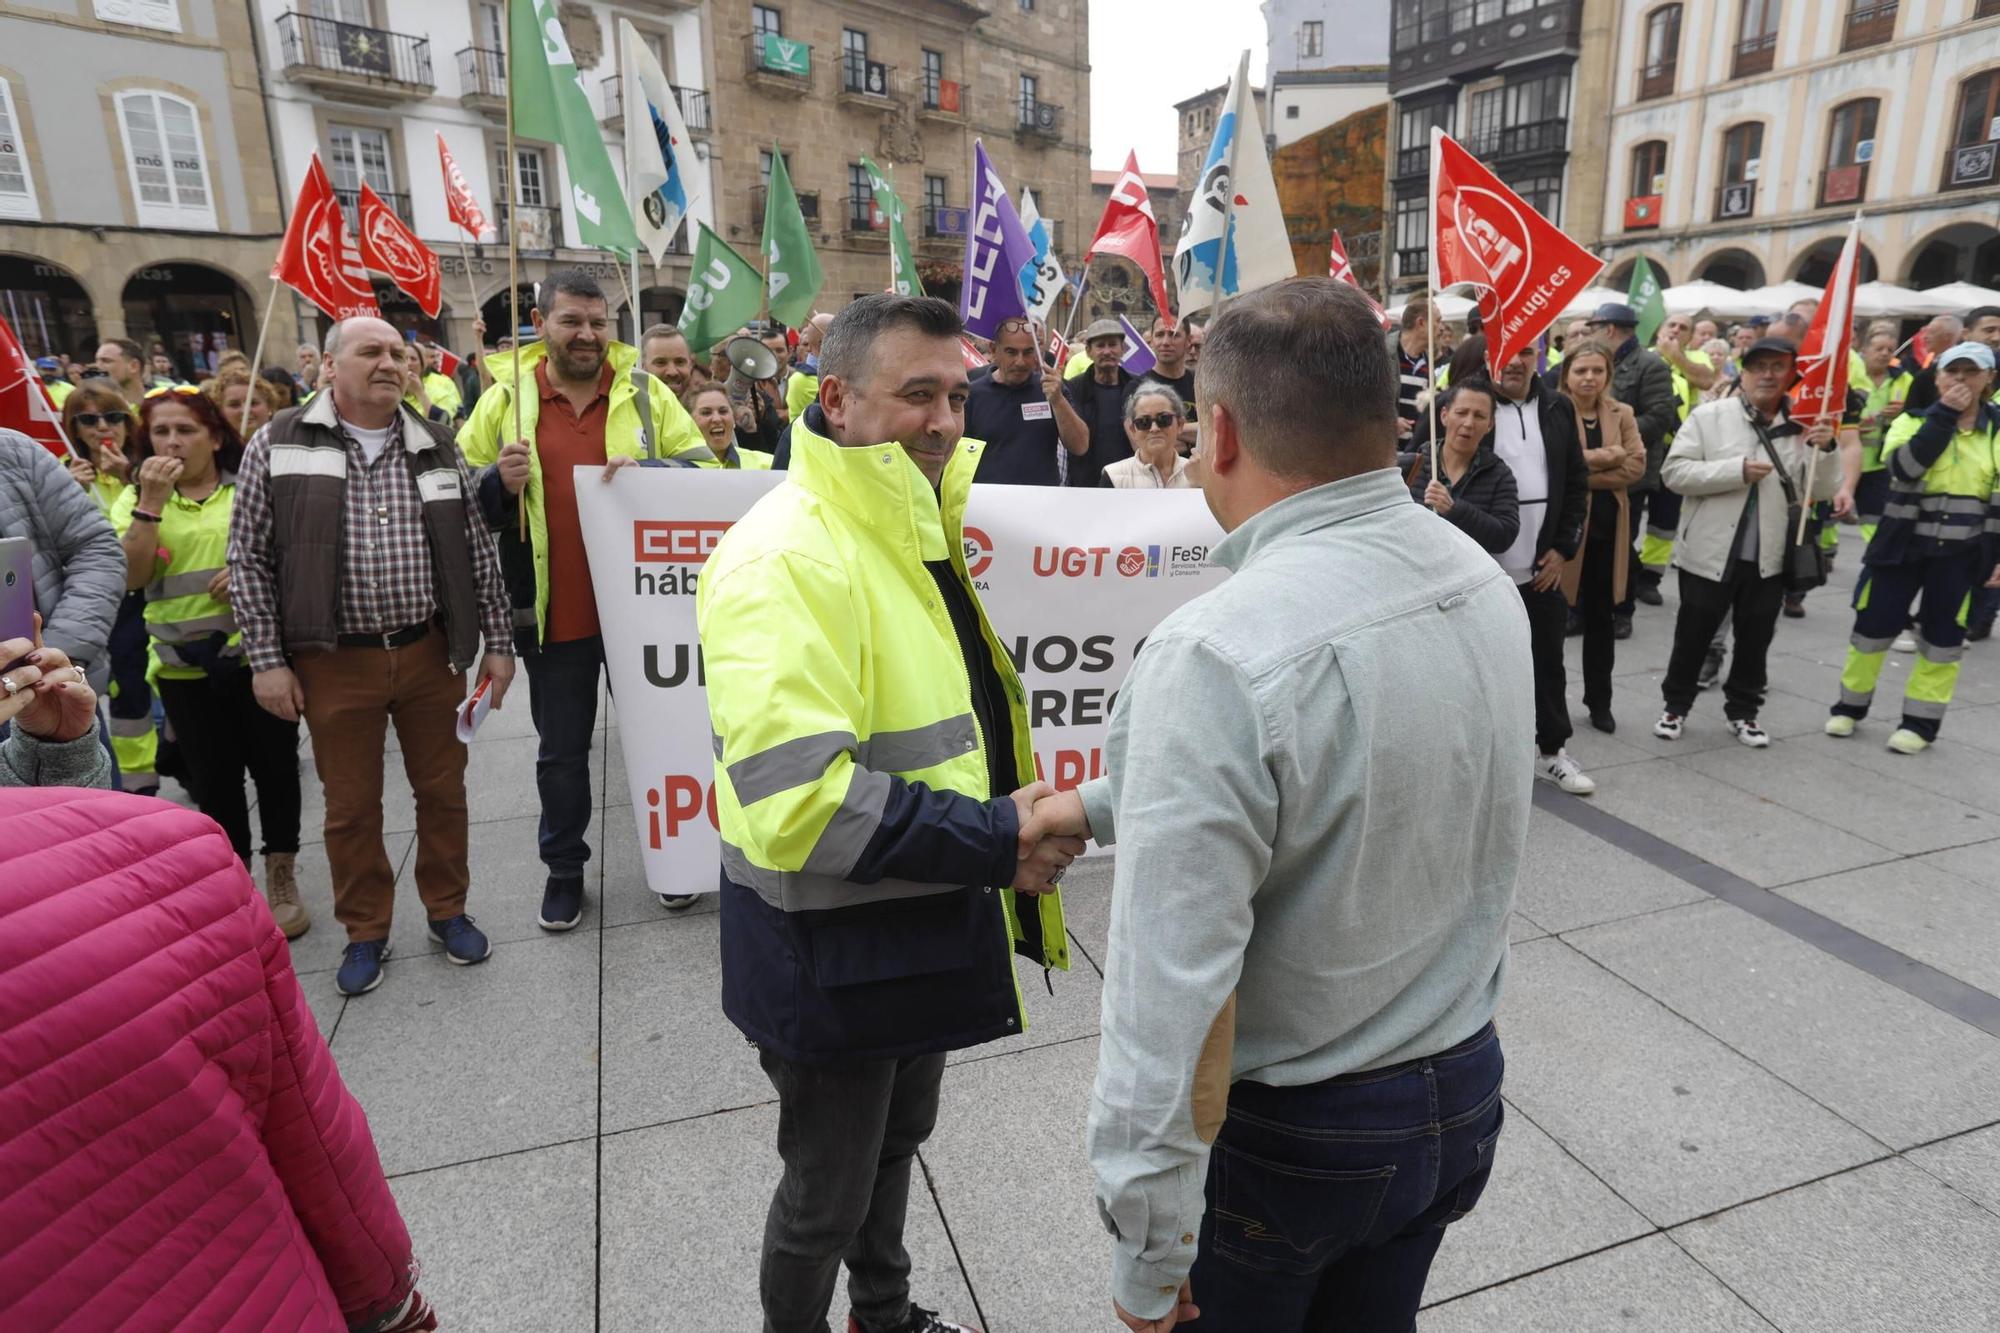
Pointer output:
x,y
361,967
464,943
562,902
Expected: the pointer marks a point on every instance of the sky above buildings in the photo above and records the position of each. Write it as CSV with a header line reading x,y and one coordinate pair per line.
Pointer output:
x,y
1146,55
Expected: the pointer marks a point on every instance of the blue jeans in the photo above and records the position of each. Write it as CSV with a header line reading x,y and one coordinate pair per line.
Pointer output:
x,y
1326,1203
562,698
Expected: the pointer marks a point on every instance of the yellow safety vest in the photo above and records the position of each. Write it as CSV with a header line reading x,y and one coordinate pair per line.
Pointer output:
x,y
801,390
179,609
747,460
1885,401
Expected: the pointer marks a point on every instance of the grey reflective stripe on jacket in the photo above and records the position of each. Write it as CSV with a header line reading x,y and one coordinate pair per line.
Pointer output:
x,y
79,566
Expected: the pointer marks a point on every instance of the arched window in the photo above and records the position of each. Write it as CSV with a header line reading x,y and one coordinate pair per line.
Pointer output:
x,y
1647,184
1742,164
163,153
1850,147
1662,53
1969,158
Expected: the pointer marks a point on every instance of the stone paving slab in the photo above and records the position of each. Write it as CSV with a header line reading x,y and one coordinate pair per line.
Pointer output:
x,y
1969,1163
1935,917
1649,1286
1570,879
1877,1057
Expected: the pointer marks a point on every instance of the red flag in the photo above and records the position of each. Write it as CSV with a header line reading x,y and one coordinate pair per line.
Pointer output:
x,y
971,355
447,363
1129,229
316,259
24,403
1338,267
388,246
1823,360
459,205
1485,236
1058,349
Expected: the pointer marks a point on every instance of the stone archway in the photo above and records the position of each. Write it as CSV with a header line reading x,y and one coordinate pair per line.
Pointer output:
x,y
195,311
659,305
493,311
1732,268
48,308
1815,266
1961,252
407,316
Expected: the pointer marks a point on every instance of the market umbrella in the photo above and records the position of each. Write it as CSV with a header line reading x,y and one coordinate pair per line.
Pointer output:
x,y
1955,298
1692,297
1584,304
1774,299
1885,300
1453,308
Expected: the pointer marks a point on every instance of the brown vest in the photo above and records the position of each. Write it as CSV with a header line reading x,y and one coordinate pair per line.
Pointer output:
x,y
308,498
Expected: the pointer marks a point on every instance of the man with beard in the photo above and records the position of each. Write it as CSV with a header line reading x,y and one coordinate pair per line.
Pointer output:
x,y
584,400
1022,414
664,353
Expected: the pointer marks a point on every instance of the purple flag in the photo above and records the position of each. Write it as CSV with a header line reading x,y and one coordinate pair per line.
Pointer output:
x,y
1138,358
996,249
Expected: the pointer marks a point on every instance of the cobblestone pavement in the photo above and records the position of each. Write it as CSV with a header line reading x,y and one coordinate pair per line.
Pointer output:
x,y
1752,1036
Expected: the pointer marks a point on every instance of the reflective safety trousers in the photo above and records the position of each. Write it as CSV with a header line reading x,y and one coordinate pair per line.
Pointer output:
x,y
864,863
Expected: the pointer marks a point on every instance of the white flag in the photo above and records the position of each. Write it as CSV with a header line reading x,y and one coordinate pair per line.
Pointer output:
x,y
1235,184
659,156
1042,282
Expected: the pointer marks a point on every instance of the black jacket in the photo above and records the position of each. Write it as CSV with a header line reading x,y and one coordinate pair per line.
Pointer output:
x,y
1569,475
1645,383
1485,505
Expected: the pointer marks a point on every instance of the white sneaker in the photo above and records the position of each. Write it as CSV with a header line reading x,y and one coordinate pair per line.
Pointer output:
x,y
1564,771
1749,733
1840,725
1668,728
1904,741
1906,642
679,902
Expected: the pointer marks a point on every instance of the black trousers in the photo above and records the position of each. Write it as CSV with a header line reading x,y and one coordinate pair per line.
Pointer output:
x,y
223,734
1754,603
1548,620
1599,613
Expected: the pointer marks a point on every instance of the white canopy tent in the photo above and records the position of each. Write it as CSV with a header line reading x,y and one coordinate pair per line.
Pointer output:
x,y
1453,308
1726,302
1774,299
1955,298
1584,304
1885,300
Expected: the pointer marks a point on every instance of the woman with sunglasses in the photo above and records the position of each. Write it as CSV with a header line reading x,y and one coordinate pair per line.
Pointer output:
x,y
1153,420
174,523
96,418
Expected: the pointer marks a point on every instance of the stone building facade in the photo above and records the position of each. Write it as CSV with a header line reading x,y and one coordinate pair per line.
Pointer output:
x,y
137,190
911,86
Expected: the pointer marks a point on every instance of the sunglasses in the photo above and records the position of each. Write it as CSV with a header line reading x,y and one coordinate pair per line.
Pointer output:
x,y
188,389
102,418
1164,421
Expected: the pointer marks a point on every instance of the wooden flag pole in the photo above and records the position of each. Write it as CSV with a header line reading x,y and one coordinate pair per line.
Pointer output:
x,y
513,241
471,288
257,359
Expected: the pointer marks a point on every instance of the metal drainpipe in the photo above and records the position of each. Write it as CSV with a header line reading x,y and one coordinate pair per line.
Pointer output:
x,y
250,8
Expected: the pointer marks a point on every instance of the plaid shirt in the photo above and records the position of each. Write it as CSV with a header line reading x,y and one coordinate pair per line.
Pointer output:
x,y
385,559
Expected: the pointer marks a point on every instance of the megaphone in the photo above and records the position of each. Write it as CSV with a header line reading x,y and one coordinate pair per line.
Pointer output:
x,y
751,358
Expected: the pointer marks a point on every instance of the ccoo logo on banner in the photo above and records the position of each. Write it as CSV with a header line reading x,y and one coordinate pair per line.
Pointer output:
x,y
1073,581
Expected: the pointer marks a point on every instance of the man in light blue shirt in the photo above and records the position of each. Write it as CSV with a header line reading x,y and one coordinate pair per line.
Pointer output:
x,y
1316,790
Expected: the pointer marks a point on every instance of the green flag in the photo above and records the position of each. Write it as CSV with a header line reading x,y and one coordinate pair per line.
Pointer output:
x,y
1646,302
903,279
549,104
723,295
793,269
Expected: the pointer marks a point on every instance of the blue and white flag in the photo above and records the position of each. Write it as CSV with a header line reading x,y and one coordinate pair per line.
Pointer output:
x,y
1138,358
997,248
1042,281
1235,185
659,156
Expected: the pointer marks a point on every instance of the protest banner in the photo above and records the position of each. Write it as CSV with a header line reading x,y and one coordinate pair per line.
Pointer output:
x,y
1073,581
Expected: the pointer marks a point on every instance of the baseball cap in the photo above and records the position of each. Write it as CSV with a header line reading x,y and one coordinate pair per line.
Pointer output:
x,y
47,363
1784,346
1979,354
1616,312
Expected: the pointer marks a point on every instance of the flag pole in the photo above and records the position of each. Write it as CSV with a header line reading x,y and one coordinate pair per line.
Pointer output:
x,y
471,288
638,317
257,358
1076,301
1431,293
513,242
1246,108
1826,399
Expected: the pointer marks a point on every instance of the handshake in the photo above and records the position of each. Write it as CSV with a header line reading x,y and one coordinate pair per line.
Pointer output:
x,y
1053,831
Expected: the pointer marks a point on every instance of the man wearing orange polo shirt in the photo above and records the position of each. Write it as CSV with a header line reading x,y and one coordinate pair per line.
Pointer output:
x,y
580,405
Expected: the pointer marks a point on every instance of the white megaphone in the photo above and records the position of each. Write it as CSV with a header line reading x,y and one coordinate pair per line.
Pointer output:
x,y
752,359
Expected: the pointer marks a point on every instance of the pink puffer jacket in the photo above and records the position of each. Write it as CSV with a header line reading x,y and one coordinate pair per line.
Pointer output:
x,y
177,1150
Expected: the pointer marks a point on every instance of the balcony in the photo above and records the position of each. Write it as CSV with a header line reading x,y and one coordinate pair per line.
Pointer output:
x,y
808,204
864,83
1755,55
350,207
945,101
777,64
1451,41
612,117
482,81
1971,165
1037,120
1734,200
1657,80
863,217
694,109
538,230
1414,161
1542,136
353,63
1843,184
1413,263
945,226
1869,24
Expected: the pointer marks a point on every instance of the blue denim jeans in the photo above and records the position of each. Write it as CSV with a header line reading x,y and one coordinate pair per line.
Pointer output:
x,y
562,698
1326,1203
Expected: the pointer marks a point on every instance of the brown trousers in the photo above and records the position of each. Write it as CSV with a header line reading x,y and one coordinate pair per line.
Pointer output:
x,y
351,694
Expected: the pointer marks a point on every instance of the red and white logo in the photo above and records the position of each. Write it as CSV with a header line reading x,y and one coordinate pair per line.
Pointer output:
x,y
675,541
390,247
1131,562
978,552
316,258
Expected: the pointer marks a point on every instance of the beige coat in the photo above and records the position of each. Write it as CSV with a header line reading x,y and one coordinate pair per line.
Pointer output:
x,y
1617,465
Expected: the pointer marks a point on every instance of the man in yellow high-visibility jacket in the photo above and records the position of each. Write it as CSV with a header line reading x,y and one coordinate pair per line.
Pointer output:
x,y
882,860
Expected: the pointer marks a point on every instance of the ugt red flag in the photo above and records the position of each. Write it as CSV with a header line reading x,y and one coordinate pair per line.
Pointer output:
x,y
388,246
24,403
1129,229
1338,267
459,205
447,363
1823,360
1485,236
316,260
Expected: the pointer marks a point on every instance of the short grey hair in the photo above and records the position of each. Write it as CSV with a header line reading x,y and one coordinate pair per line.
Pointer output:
x,y
850,339
1302,368
1151,388
663,331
